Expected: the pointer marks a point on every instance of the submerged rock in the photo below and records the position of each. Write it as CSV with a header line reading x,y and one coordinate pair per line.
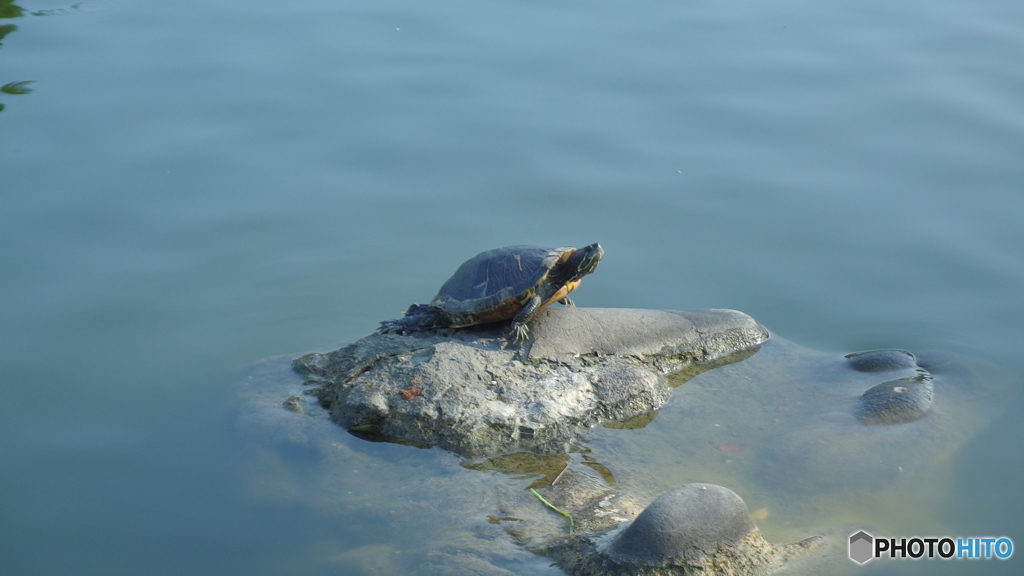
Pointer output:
x,y
881,360
807,424
874,423
465,391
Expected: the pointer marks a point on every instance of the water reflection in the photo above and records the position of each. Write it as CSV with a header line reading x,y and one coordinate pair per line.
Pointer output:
x,y
16,88
54,11
9,9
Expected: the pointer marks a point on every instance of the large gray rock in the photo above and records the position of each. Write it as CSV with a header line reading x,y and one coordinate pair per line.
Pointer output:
x,y
465,391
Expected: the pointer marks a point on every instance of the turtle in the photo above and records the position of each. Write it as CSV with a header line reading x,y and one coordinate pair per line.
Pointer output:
x,y
509,283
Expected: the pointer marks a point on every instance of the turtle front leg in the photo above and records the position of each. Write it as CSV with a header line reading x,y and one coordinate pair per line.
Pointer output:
x,y
519,330
567,302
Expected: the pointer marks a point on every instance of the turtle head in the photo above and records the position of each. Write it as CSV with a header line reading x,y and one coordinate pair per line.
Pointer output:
x,y
585,260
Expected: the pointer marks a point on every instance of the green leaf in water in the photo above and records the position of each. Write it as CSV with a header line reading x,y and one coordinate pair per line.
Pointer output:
x,y
16,88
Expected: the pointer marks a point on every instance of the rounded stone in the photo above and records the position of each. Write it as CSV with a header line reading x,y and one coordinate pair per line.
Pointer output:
x,y
896,401
881,360
683,525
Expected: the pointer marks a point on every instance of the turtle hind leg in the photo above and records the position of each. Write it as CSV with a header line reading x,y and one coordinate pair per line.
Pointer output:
x,y
519,331
418,318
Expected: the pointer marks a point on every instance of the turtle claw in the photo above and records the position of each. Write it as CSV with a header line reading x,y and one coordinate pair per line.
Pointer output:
x,y
567,302
519,332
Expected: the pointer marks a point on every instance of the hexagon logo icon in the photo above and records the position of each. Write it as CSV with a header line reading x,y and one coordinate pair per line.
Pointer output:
x,y
861,545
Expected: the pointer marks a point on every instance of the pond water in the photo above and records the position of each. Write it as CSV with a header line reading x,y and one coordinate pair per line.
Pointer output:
x,y
191,187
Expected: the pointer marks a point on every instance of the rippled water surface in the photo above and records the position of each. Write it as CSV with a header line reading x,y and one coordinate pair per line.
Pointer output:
x,y
191,187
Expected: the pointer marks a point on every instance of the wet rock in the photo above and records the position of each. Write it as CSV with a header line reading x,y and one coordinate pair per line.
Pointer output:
x,y
896,401
697,528
881,360
465,391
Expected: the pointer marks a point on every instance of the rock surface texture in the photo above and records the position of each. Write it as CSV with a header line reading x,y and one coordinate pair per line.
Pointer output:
x,y
465,391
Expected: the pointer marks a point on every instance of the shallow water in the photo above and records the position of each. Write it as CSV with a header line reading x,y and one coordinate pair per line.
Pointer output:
x,y
192,187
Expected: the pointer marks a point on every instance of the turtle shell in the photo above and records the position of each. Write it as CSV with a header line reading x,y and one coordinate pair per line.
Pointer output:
x,y
495,284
